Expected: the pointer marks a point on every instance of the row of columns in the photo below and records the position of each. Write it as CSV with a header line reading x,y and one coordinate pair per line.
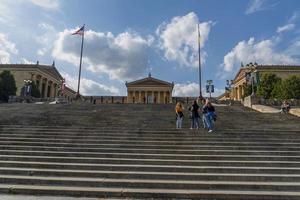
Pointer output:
x,y
47,87
238,92
141,96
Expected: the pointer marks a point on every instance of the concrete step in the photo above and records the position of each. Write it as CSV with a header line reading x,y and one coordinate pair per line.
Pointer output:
x,y
145,137
195,151
179,176
150,183
159,162
170,142
267,168
154,146
207,156
148,193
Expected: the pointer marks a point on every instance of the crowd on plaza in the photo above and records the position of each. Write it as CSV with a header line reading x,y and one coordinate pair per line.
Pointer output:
x,y
204,107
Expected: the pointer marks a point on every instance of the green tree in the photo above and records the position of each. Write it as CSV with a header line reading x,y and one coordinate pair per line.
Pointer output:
x,y
277,90
7,85
291,88
267,85
248,90
35,92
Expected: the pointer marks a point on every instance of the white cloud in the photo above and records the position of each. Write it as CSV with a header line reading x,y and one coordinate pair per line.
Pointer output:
x,y
258,5
6,16
25,61
46,4
262,52
178,39
46,39
186,90
254,6
192,90
90,87
285,28
124,56
6,49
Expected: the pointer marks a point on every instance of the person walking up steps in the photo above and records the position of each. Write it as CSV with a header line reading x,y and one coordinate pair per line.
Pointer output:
x,y
209,115
179,115
195,116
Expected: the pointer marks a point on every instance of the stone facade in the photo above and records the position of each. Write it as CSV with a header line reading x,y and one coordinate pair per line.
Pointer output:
x,y
282,71
46,77
149,90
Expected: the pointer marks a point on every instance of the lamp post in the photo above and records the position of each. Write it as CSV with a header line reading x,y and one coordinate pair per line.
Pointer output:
x,y
209,82
27,87
229,84
252,73
62,87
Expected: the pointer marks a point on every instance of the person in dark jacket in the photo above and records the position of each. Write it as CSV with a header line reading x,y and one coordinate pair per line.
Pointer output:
x,y
195,116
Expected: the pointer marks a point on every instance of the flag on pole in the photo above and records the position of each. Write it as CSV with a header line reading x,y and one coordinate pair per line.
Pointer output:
x,y
79,31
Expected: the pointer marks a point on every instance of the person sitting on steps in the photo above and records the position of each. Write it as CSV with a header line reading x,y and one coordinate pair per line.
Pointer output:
x,y
285,107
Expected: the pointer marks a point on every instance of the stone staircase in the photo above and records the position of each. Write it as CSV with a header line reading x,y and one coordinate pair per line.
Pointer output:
x,y
133,151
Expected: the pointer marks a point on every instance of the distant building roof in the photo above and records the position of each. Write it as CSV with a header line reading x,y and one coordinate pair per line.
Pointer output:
x,y
49,69
258,67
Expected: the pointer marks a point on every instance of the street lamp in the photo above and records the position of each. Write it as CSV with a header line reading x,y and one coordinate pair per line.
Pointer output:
x,y
62,86
27,87
250,74
229,84
209,87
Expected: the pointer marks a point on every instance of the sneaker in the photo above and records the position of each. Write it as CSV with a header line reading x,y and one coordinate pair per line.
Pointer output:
x,y
210,131
191,128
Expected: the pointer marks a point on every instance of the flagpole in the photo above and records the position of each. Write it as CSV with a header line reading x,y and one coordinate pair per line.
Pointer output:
x,y
200,91
82,39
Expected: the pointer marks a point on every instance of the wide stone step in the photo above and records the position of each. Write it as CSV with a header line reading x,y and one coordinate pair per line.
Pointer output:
x,y
145,137
155,168
153,147
148,193
194,151
150,183
146,142
208,156
151,175
187,163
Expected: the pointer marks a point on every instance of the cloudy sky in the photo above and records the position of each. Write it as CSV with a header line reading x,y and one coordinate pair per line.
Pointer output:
x,y
127,39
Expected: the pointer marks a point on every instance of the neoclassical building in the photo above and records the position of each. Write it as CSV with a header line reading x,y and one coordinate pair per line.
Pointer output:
x,y
46,77
149,90
240,80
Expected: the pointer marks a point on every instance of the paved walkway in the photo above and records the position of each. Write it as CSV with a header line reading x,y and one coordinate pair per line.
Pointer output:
x,y
269,109
29,197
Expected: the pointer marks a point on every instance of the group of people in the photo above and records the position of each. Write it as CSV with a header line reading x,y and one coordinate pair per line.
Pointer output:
x,y
195,110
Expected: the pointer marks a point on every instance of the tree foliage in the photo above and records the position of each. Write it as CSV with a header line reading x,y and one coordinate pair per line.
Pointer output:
x,y
290,88
35,92
7,85
267,84
272,87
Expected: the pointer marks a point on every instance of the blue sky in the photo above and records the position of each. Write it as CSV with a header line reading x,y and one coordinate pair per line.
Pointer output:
x,y
127,39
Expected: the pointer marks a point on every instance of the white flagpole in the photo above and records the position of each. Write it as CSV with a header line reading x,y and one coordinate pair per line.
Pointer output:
x,y
200,91
82,39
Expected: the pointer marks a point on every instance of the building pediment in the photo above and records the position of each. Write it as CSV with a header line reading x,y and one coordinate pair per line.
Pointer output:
x,y
149,81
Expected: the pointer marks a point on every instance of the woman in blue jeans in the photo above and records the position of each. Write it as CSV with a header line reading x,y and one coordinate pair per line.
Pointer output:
x,y
209,115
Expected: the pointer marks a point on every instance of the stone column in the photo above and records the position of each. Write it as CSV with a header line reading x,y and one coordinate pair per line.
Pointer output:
x,y
158,97
55,90
41,85
140,98
46,88
152,94
170,96
164,97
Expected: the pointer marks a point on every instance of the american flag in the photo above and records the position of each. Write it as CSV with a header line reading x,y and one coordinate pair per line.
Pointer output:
x,y
79,31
